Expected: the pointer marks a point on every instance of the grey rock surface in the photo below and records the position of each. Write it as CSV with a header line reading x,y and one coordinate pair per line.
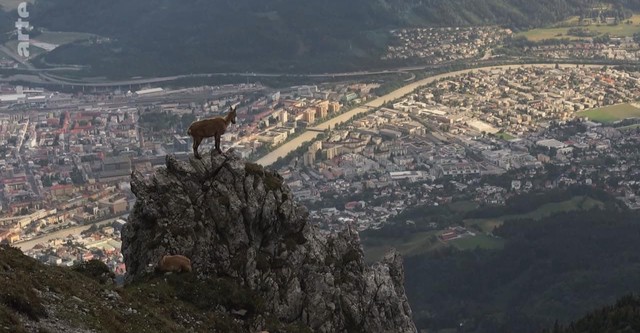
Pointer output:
x,y
237,220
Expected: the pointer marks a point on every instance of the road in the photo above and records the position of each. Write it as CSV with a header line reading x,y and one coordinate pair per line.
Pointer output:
x,y
45,76
307,136
27,245
23,61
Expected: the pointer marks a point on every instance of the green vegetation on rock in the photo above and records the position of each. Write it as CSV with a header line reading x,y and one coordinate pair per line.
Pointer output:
x,y
78,298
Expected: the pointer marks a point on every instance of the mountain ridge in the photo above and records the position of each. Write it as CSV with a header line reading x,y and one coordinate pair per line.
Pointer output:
x,y
237,221
158,37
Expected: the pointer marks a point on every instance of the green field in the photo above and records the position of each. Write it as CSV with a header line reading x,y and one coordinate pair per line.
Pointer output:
x,y
427,241
546,33
479,241
609,114
505,136
559,30
570,22
423,242
576,203
418,243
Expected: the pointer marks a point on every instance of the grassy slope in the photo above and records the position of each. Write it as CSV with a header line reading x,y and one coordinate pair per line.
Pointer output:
x,y
418,243
424,242
576,203
505,136
56,299
479,241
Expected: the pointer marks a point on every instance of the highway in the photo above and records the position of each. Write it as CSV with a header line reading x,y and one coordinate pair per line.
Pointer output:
x,y
307,136
29,244
23,61
41,76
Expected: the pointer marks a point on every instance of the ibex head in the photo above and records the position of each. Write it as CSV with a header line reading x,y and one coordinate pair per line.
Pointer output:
x,y
232,114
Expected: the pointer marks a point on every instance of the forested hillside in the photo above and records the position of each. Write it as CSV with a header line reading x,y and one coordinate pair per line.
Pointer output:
x,y
5,25
160,36
624,316
556,268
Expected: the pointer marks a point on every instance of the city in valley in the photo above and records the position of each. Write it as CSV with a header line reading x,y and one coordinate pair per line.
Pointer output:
x,y
67,157
355,152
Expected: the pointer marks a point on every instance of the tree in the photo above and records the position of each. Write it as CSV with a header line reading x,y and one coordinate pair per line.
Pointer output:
x,y
76,176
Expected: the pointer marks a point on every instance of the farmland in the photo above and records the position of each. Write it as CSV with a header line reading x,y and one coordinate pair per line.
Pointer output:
x,y
561,30
573,204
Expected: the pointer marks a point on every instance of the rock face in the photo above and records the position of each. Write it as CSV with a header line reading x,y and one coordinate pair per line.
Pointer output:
x,y
235,220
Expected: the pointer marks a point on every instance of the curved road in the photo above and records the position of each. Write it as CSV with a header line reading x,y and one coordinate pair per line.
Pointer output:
x,y
290,146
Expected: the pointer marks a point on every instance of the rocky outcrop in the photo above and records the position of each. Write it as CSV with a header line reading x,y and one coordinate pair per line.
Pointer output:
x,y
238,221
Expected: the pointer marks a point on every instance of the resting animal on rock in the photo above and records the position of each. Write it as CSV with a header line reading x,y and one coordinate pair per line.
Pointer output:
x,y
175,263
210,127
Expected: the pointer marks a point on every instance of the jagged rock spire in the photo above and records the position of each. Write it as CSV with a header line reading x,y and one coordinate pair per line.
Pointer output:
x,y
235,219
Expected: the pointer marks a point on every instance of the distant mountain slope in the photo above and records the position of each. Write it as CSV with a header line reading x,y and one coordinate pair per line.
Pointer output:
x,y
558,268
624,316
5,25
154,36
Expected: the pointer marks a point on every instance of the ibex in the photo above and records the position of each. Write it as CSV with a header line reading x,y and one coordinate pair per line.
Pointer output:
x,y
175,263
211,127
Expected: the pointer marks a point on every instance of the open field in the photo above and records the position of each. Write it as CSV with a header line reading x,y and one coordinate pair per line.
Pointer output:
x,y
418,243
559,30
427,241
570,22
423,242
575,203
505,136
546,33
609,114
486,225
479,241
